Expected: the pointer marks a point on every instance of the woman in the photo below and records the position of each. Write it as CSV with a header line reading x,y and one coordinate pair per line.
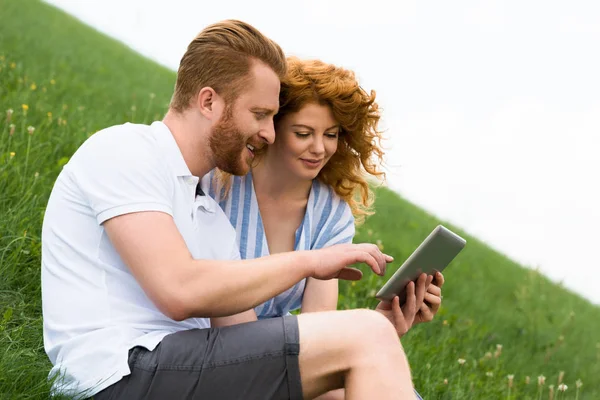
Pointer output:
x,y
308,189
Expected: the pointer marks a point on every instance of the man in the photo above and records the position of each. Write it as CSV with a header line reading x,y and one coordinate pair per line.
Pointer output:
x,y
136,260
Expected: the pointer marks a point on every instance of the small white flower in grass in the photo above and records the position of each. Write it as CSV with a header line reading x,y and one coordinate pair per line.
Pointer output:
x,y
487,355
30,129
133,108
510,380
428,366
498,351
445,381
527,380
152,95
541,380
12,129
562,387
489,374
36,175
578,383
461,361
9,114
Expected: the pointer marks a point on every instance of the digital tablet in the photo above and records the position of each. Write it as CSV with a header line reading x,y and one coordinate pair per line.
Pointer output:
x,y
434,254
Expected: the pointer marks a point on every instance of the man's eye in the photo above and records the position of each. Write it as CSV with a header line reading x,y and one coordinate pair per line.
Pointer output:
x,y
260,115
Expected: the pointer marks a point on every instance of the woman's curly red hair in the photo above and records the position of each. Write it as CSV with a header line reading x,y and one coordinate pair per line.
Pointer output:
x,y
359,144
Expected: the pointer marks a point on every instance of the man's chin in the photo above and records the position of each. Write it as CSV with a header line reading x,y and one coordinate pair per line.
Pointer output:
x,y
238,170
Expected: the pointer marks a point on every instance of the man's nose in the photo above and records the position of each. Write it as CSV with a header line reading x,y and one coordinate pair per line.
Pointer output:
x,y
267,133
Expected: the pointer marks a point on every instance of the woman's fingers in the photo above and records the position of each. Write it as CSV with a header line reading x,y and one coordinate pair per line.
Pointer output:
x,y
421,288
426,313
435,290
400,322
439,279
433,299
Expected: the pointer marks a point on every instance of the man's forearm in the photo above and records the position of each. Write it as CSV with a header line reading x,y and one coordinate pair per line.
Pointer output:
x,y
220,288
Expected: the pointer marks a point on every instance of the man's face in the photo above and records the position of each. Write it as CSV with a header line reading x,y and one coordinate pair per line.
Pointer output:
x,y
247,125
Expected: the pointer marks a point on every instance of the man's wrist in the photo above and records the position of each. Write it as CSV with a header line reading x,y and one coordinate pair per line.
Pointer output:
x,y
307,261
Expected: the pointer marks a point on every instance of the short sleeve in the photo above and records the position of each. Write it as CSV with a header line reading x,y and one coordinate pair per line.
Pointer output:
x,y
119,171
235,251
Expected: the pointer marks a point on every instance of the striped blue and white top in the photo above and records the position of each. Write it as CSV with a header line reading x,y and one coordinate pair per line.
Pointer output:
x,y
328,220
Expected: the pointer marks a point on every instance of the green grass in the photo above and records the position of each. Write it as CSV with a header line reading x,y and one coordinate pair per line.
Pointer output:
x,y
75,81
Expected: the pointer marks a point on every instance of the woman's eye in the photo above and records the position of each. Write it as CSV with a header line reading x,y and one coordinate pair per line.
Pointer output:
x,y
302,134
332,135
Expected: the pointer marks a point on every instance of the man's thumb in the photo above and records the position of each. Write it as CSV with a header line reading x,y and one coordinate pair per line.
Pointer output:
x,y
350,274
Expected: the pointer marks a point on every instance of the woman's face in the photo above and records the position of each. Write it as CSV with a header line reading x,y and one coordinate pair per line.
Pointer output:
x,y
305,141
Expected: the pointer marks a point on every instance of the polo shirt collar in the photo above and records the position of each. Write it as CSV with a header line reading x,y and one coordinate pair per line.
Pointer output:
x,y
171,150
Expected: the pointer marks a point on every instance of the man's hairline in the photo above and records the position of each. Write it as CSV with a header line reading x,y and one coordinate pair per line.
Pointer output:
x,y
231,98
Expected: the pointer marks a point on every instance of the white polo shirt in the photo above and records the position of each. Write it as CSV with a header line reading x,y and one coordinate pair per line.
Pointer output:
x,y
94,310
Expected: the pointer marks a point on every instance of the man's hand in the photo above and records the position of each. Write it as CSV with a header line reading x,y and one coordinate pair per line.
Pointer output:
x,y
403,317
432,300
332,262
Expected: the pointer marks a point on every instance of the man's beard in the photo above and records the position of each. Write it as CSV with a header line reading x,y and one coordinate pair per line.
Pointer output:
x,y
228,144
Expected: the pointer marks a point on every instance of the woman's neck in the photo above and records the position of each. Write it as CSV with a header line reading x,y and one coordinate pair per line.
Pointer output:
x,y
277,183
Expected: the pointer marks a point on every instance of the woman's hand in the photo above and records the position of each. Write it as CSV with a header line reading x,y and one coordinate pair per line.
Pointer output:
x,y
403,318
432,300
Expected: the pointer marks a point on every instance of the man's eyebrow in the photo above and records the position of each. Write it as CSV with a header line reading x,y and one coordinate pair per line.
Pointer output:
x,y
266,110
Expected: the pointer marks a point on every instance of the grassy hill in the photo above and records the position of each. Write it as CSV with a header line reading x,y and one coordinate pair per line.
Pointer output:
x,y
63,81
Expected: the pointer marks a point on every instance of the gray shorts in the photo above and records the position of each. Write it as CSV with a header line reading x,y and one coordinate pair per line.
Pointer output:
x,y
256,360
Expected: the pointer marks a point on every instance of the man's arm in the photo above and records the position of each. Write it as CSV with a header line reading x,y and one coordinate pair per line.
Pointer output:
x,y
181,287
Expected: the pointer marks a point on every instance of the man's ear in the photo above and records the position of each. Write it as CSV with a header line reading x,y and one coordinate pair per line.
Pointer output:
x,y
205,102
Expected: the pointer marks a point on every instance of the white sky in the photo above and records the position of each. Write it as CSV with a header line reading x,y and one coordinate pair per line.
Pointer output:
x,y
492,107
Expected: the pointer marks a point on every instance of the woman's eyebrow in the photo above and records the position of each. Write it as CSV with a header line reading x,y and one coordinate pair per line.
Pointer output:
x,y
310,128
336,126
